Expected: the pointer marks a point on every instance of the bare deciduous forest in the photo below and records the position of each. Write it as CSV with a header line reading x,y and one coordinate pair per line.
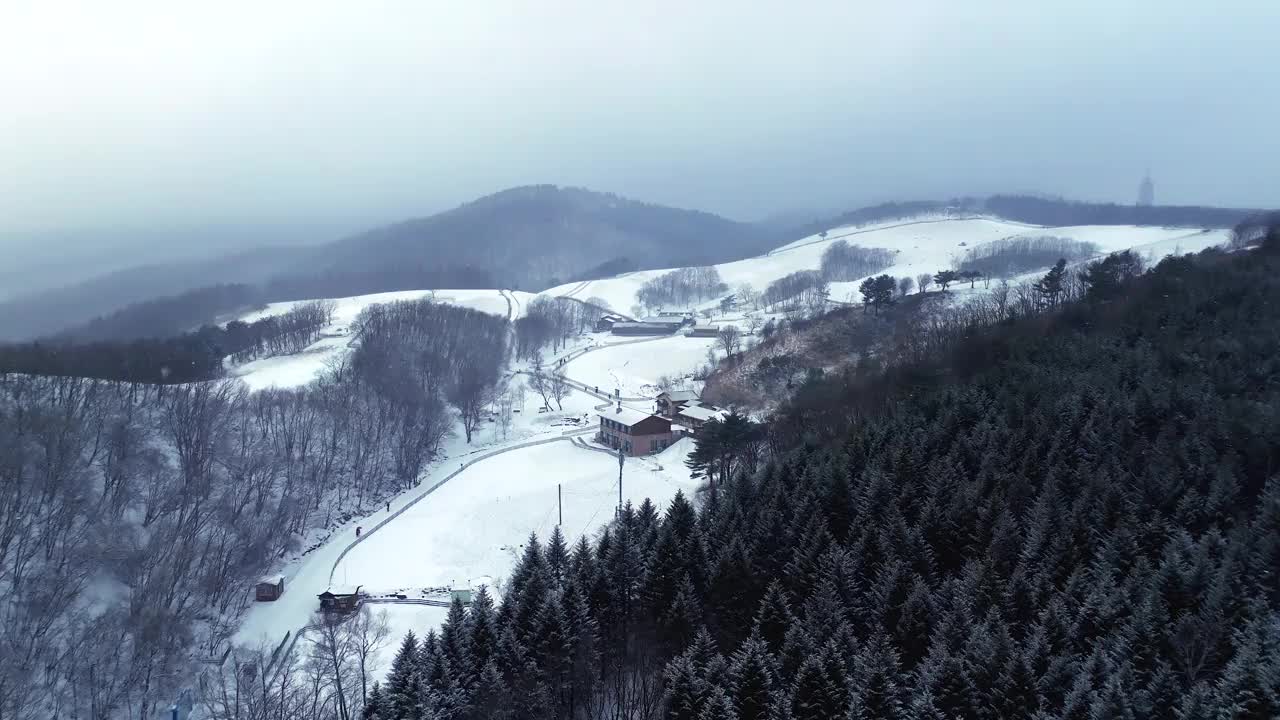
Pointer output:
x,y
135,517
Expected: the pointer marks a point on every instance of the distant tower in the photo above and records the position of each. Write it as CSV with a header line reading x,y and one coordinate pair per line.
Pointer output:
x,y
1147,191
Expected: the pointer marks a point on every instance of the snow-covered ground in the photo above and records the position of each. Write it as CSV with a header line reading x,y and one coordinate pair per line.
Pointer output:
x,y
490,301
921,245
308,575
287,371
475,521
634,368
471,528
478,523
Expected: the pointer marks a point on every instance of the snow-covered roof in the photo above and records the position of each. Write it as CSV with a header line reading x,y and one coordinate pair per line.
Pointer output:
x,y
271,579
663,320
626,415
680,395
645,324
343,589
697,412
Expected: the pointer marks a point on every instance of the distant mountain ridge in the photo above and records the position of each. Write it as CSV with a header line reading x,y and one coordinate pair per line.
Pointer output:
x,y
535,236
529,238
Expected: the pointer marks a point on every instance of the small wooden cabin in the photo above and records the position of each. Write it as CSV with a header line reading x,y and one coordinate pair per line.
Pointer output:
x,y
340,599
269,588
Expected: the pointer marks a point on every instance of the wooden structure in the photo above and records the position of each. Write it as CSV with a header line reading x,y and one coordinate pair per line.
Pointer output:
x,y
341,600
606,322
633,431
644,328
269,588
694,416
671,402
705,331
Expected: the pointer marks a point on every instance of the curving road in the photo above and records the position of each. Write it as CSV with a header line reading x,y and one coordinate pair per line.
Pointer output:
x,y
315,573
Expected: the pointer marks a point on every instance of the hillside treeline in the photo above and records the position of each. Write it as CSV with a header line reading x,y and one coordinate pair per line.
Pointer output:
x,y
1016,255
552,321
174,315
842,262
391,277
135,518
420,355
167,316
1075,514
802,288
187,357
1056,211
681,287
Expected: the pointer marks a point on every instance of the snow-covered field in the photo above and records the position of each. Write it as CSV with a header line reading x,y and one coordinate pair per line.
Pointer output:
x,y
634,368
287,371
490,301
920,245
308,575
478,523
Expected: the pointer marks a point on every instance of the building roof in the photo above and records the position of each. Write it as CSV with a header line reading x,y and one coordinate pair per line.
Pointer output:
x,y
272,579
342,590
627,416
663,320
679,395
697,412
665,326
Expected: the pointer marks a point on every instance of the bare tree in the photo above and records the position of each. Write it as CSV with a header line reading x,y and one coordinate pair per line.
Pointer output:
x,y
923,281
368,634
333,658
905,284
559,389
538,380
506,407
472,393
730,338
754,323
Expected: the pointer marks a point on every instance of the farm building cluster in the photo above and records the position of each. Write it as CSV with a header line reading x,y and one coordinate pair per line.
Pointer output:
x,y
661,324
677,414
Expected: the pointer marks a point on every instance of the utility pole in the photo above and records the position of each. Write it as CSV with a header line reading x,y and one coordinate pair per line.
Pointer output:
x,y
621,458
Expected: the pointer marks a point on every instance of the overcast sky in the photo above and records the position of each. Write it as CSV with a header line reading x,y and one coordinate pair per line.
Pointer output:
x,y
128,113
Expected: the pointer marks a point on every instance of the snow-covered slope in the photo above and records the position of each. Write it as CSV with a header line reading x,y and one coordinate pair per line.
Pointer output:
x,y
634,368
301,368
476,525
490,301
921,245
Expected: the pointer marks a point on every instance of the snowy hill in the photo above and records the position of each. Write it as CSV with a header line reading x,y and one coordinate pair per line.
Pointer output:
x,y
286,371
925,244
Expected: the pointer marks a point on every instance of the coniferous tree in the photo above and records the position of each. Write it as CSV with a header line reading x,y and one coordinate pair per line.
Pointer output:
x,y
1050,286
557,558
374,705
814,695
944,278
685,690
751,680
491,699
878,692
482,632
404,691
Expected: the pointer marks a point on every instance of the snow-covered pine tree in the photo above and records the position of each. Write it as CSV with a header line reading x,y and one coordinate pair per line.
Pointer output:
x,y
404,689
